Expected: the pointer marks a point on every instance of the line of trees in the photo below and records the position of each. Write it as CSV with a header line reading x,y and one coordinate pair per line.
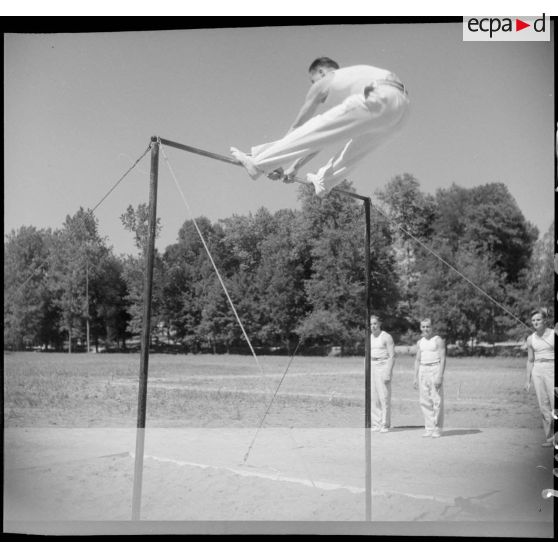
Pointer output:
x,y
294,274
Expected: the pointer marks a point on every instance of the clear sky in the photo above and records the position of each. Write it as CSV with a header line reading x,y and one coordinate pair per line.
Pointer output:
x,y
80,108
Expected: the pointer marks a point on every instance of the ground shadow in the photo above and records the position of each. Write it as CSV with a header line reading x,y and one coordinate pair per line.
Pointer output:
x,y
403,428
461,432
445,433
467,505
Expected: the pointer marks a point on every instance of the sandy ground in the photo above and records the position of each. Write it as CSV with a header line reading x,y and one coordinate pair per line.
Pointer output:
x,y
70,447
474,482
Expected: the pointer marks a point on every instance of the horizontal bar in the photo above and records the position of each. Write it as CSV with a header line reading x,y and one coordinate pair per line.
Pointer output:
x,y
352,194
197,151
233,161
301,181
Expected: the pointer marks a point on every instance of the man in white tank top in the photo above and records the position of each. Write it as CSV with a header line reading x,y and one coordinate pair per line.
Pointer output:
x,y
430,364
540,368
359,108
382,356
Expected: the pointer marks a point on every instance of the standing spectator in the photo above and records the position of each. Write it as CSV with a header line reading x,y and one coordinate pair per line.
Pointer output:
x,y
430,364
382,356
540,369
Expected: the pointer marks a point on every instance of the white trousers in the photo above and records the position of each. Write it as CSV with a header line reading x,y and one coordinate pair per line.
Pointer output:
x,y
431,398
356,126
543,381
381,395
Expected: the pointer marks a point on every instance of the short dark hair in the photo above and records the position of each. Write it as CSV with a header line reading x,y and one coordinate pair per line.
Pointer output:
x,y
542,311
324,61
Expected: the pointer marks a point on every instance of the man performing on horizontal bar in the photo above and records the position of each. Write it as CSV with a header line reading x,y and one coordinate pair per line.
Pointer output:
x,y
360,107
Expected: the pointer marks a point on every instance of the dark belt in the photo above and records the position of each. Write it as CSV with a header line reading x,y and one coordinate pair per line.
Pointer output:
x,y
429,363
376,359
394,83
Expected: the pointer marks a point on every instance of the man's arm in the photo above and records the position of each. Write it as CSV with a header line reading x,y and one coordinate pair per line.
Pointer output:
x,y
441,344
417,366
530,363
390,347
316,95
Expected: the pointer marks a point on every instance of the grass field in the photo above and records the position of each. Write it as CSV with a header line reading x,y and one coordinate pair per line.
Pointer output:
x,y
99,390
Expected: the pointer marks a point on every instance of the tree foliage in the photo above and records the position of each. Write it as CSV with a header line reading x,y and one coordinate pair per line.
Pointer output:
x,y
411,215
482,232
58,280
28,304
294,276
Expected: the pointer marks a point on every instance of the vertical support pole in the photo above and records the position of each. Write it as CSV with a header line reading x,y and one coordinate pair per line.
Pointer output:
x,y
146,330
367,371
87,328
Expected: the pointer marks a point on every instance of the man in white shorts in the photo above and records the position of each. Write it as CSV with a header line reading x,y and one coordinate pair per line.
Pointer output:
x,y
382,356
430,364
360,107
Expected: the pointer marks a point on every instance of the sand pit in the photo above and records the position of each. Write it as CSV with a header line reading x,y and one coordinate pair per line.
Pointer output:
x,y
67,476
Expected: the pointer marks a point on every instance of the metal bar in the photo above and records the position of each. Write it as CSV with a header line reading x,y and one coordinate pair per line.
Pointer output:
x,y
87,304
203,152
367,354
146,330
367,371
367,295
353,195
233,161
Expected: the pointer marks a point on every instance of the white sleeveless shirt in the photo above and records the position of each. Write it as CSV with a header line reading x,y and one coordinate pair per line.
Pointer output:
x,y
378,349
350,80
543,347
429,353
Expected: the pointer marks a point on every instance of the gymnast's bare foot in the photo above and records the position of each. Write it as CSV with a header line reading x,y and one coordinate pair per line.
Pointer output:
x,y
247,162
317,181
